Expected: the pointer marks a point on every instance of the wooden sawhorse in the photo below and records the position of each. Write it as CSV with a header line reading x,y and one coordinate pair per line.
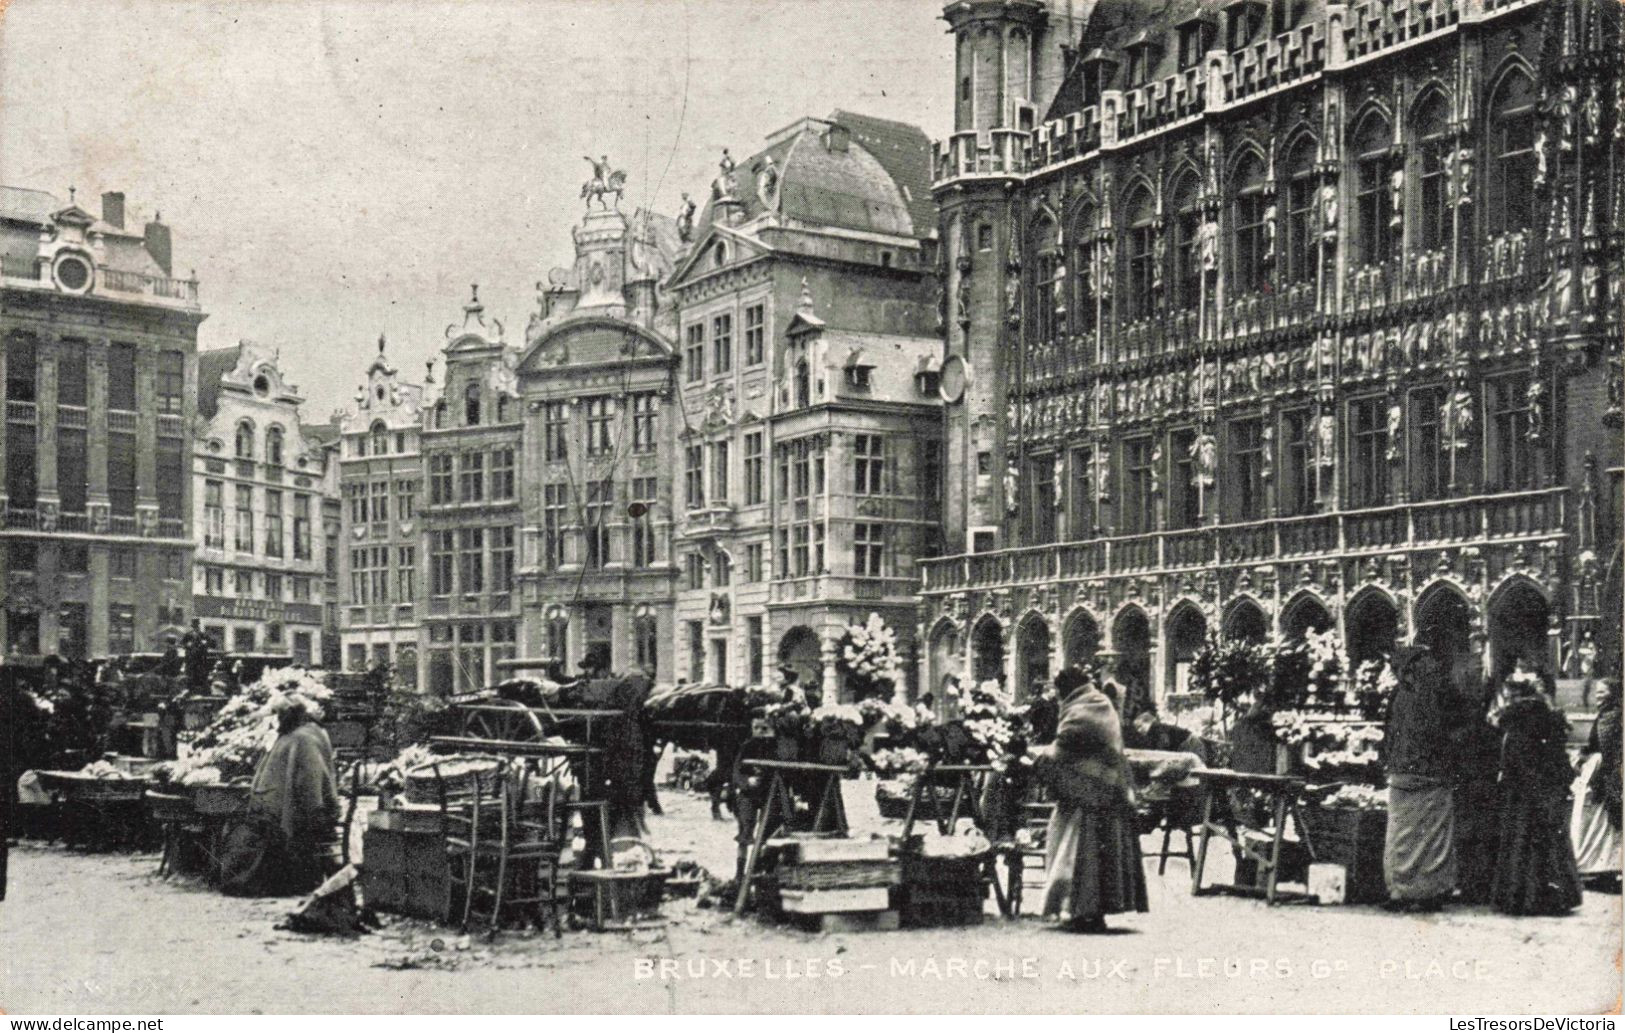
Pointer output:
x,y
966,803
1282,792
829,818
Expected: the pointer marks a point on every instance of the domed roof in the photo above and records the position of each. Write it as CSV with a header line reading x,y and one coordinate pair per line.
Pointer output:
x,y
828,174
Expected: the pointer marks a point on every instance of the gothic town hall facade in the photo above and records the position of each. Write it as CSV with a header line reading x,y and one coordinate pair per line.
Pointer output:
x,y
1262,318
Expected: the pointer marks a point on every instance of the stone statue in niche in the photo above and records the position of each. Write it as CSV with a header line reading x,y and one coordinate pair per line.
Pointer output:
x,y
962,295
1266,454
1563,108
1269,232
1328,214
1535,398
1326,439
1058,482
725,187
1103,476
685,220
1210,161
1159,258
1456,419
1396,197
1156,467
1012,486
1105,271
1204,456
1396,419
1464,176
1207,239
1591,289
1541,144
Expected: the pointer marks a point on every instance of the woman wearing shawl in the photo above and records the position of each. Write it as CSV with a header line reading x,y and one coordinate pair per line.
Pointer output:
x,y
1534,864
1419,857
1092,861
1594,824
287,842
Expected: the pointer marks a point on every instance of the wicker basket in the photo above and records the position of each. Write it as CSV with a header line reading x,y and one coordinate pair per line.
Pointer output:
x,y
1354,839
422,786
168,807
221,801
72,787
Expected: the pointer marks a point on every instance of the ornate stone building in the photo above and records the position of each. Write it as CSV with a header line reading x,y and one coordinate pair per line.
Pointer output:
x,y
260,485
1268,317
378,552
810,437
469,611
599,448
100,373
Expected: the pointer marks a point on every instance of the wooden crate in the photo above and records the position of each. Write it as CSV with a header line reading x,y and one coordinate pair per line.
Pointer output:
x,y
831,901
1354,839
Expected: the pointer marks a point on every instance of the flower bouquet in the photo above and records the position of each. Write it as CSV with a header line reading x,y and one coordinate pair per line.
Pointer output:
x,y
1374,685
868,659
1328,666
231,746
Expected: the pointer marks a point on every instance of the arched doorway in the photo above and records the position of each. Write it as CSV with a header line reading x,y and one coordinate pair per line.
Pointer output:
x,y
1303,615
1246,622
987,650
943,660
1131,641
1443,624
801,652
1518,619
1371,626
1080,640
1184,633
1032,655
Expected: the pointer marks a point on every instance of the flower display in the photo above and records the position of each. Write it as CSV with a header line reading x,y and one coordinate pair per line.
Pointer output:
x,y
1358,798
244,729
899,763
868,658
1374,685
1229,671
1328,665
1331,748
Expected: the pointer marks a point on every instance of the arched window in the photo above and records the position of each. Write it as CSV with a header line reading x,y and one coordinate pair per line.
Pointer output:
x,y
1049,306
245,440
1429,125
1373,204
1509,189
1187,276
803,384
1248,269
1141,243
502,408
273,446
1300,211
471,404
380,438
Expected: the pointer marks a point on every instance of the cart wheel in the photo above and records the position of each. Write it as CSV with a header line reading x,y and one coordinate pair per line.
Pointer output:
x,y
504,720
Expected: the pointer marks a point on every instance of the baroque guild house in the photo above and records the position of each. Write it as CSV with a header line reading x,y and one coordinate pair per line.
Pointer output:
x,y
1262,318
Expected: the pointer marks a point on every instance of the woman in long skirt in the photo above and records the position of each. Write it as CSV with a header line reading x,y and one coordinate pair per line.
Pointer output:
x,y
1092,857
1535,872
1594,824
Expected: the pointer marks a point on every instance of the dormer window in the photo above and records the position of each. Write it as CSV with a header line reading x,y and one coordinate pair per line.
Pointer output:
x,y
1285,15
471,405
719,255
1142,62
380,439
858,370
803,385
1193,38
1245,19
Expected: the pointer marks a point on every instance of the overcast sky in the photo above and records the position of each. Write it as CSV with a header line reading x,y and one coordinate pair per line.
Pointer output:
x,y
332,171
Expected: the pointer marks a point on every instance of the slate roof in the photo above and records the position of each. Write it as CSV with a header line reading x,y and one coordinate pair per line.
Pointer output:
x,y
211,366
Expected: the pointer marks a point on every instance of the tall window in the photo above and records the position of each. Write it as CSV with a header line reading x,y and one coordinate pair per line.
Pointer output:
x,y
1433,146
72,468
380,574
644,409
471,404
555,503
121,376
1141,243
170,472
1081,494
273,523
1046,280
1510,184
722,568
1038,516
1138,514
380,439
1509,462
471,560
502,473
755,334
120,475
1368,452
244,538
442,561
645,492
1082,238
753,468
556,431
600,499
694,571
214,515
869,464
1297,464
694,476
1430,474
406,497
245,440
22,370
1187,273
273,446
755,650
868,546
1247,265
696,651
301,527
1184,503
1300,211
600,421
753,562
406,573
440,479
471,477
722,343
1373,207
803,384
646,642
170,381
694,352
379,499
719,472
1246,465
502,559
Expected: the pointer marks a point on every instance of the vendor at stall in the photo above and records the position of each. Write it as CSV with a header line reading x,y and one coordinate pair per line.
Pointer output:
x,y
288,841
1419,856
